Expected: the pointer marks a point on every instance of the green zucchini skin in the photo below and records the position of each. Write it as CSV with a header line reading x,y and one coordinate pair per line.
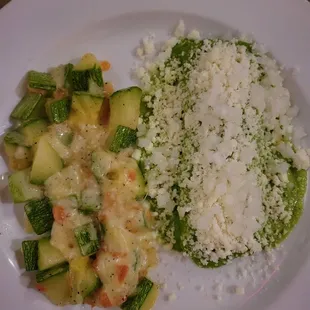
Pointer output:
x,y
31,106
135,301
20,187
30,252
51,272
124,137
58,110
41,80
87,239
40,215
48,255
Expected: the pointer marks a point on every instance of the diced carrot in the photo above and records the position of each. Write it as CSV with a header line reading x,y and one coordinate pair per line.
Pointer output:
x,y
108,89
132,175
105,65
122,271
40,287
59,214
104,114
104,299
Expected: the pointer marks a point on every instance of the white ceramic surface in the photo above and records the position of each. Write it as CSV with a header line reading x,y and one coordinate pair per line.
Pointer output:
x,y
37,34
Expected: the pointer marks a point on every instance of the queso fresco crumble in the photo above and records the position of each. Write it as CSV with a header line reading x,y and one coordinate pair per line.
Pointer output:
x,y
225,173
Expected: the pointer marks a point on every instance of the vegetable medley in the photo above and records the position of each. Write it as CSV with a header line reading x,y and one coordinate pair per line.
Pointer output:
x,y
70,153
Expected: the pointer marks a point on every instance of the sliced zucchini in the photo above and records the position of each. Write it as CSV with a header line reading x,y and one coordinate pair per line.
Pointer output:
x,y
27,226
117,240
90,199
125,108
87,76
87,61
20,157
85,109
14,137
57,110
51,272
83,279
10,149
68,76
30,107
40,215
30,252
87,239
41,80
20,187
48,256
89,80
101,163
137,300
57,289
46,162
67,182
33,130
151,298
122,138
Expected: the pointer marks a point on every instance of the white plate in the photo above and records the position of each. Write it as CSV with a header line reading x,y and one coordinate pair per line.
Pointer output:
x,y
37,34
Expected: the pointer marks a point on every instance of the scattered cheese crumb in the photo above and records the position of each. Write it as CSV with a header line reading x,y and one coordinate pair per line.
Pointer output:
x,y
180,30
219,145
172,297
140,52
194,34
239,290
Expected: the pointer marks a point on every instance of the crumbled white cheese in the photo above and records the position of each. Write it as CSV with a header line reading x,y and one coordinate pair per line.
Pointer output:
x,y
149,47
172,297
136,154
180,30
194,34
140,52
239,290
216,138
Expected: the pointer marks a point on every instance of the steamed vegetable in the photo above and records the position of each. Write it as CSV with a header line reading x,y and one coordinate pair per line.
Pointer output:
x,y
41,80
32,130
87,239
83,278
140,297
46,162
40,215
51,272
30,107
30,253
122,138
85,109
125,108
48,256
20,187
87,76
57,110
